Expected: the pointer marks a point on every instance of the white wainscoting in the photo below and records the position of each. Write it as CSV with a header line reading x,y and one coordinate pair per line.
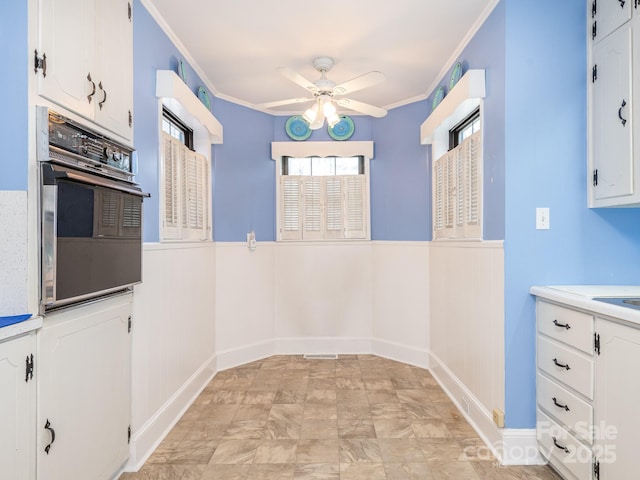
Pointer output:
x,y
401,301
467,331
438,305
319,297
173,339
245,293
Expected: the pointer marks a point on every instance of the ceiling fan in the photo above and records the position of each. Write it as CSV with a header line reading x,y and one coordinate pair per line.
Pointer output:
x,y
325,92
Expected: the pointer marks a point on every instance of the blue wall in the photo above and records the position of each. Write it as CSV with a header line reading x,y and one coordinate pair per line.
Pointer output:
x,y
534,56
546,167
486,51
152,50
400,176
13,95
244,175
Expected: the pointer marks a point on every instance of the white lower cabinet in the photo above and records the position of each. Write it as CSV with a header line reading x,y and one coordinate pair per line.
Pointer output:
x,y
17,406
84,396
617,414
588,420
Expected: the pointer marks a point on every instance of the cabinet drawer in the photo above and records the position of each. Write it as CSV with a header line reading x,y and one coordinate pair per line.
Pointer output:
x,y
567,408
563,449
563,363
569,326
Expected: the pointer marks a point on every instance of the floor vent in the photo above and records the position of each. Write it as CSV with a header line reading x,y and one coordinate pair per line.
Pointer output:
x,y
321,356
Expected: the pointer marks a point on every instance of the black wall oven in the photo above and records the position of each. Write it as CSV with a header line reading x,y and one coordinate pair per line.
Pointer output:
x,y
91,214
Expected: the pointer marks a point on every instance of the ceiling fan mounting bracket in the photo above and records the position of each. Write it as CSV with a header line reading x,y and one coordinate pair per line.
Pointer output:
x,y
323,64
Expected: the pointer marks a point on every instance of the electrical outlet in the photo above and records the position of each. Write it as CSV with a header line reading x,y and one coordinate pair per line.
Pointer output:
x,y
498,417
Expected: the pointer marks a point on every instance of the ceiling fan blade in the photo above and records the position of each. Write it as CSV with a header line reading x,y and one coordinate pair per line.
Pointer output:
x,y
289,101
298,79
362,107
358,83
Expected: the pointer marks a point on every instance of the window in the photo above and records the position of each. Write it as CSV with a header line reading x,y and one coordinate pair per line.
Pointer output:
x,y
322,190
323,198
464,129
457,184
176,128
186,180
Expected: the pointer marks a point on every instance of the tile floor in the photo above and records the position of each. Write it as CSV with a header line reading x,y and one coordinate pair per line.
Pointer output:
x,y
357,417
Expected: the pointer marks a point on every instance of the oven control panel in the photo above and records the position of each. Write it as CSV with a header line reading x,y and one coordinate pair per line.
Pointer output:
x,y
64,140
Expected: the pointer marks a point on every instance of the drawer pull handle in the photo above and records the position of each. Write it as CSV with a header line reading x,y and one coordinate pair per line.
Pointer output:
x,y
561,325
558,364
559,405
561,447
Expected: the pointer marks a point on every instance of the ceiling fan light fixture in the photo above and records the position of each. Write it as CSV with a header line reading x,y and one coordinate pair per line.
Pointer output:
x,y
333,119
311,113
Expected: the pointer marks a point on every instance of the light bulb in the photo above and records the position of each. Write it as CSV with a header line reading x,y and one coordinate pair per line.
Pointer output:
x,y
333,120
329,109
311,114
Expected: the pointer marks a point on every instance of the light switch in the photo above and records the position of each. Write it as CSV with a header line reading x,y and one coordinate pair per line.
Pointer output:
x,y
542,219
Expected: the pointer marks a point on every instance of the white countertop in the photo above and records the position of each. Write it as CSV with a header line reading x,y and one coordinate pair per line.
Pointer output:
x,y
20,328
581,296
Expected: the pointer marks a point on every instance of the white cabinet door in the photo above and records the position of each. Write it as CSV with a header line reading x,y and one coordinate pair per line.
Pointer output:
x,y
617,422
114,52
89,59
17,410
607,15
612,122
84,391
67,40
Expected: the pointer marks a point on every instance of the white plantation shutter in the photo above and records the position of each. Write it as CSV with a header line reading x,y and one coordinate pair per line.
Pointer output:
x,y
450,190
355,206
460,161
290,208
439,200
473,188
186,192
312,223
194,204
334,218
329,207
457,189
171,191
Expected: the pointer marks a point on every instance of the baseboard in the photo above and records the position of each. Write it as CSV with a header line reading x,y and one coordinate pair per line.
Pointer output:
x,y
318,345
520,447
401,353
147,437
509,446
246,354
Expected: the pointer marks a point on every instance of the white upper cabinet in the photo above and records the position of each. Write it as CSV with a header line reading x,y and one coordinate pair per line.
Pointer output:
x,y
85,55
613,156
66,49
607,15
611,128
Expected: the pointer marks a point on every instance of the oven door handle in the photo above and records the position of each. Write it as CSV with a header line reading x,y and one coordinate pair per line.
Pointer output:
x,y
48,252
59,171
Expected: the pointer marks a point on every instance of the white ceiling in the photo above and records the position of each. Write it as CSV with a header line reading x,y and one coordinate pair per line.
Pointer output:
x,y
238,45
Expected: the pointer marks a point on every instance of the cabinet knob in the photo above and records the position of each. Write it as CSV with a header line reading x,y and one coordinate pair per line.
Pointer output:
x,y
561,365
104,98
622,105
561,447
561,325
47,426
93,86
